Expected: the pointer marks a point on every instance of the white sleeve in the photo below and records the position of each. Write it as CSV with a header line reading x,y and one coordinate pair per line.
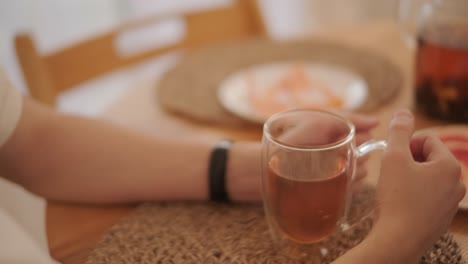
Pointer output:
x,y
10,108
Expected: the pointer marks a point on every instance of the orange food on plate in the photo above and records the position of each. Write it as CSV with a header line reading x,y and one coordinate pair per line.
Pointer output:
x,y
293,90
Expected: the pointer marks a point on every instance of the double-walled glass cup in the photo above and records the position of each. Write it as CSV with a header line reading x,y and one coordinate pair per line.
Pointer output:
x,y
308,163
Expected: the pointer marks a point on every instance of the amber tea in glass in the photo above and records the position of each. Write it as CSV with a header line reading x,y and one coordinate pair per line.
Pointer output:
x,y
442,72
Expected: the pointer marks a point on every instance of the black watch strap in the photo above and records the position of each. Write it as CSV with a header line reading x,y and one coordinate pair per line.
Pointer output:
x,y
217,172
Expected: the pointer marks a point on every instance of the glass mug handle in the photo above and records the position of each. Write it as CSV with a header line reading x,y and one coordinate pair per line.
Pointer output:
x,y
371,145
361,151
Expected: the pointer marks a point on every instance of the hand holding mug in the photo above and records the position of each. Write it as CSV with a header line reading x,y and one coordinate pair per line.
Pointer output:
x,y
419,188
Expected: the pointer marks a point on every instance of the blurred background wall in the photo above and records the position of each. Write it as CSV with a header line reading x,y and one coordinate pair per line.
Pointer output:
x,y
58,23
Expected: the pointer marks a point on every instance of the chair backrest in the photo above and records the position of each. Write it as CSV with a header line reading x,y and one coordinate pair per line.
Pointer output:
x,y
49,74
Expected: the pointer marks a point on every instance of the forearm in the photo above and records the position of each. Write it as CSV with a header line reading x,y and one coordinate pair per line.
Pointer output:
x,y
382,246
78,159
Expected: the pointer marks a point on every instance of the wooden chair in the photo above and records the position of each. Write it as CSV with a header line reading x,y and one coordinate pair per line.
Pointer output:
x,y
47,75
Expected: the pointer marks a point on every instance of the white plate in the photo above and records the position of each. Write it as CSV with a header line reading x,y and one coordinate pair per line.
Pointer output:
x,y
259,91
455,138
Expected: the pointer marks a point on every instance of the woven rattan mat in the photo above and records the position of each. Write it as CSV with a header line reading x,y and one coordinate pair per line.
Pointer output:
x,y
190,88
219,233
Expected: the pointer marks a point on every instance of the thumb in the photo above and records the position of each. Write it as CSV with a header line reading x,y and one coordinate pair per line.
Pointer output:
x,y
400,131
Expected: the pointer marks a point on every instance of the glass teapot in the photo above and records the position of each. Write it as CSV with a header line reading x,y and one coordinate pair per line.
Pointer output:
x,y
438,30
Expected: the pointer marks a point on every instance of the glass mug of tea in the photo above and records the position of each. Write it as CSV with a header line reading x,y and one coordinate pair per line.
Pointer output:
x,y
308,163
438,29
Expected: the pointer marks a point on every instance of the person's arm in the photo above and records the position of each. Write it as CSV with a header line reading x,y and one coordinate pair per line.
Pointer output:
x,y
79,159
416,200
384,248
72,158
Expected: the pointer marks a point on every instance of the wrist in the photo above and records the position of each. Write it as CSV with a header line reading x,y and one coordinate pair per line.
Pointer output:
x,y
243,175
392,244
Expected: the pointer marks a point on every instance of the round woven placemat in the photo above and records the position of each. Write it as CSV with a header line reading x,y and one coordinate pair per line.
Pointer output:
x,y
220,233
191,87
